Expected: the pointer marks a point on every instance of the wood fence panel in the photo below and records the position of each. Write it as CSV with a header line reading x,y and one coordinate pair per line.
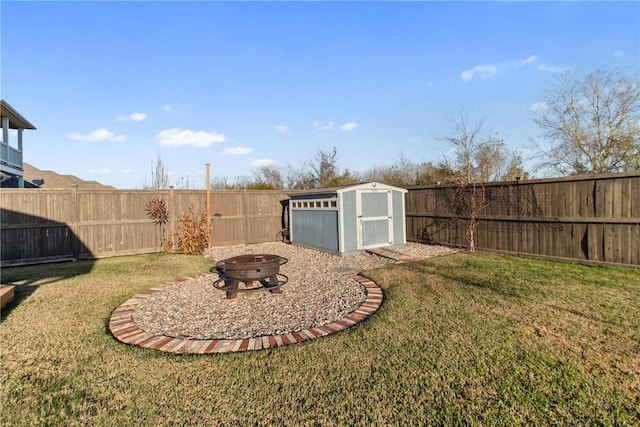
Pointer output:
x,y
52,224
228,225
263,215
114,222
35,226
593,219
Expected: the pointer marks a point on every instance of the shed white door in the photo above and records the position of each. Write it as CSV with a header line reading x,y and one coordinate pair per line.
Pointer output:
x,y
374,210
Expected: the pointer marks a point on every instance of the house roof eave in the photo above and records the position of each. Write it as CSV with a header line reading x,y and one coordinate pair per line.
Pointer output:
x,y
16,120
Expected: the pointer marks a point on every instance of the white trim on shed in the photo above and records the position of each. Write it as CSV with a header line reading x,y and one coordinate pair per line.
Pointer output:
x,y
348,219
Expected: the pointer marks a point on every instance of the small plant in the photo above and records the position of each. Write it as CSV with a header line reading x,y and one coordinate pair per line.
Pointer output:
x,y
156,209
192,235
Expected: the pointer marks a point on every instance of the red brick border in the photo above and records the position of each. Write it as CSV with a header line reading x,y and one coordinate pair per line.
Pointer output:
x,y
123,328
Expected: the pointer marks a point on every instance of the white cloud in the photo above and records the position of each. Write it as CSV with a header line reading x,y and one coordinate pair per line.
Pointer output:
x,y
101,134
258,163
235,151
529,60
618,54
320,127
488,70
134,117
538,106
103,171
175,109
176,137
281,129
551,68
483,71
349,126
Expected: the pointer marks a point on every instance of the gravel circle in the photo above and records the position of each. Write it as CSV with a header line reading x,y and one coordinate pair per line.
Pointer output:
x,y
320,291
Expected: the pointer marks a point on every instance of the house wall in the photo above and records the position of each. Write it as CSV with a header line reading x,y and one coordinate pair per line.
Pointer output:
x,y
11,154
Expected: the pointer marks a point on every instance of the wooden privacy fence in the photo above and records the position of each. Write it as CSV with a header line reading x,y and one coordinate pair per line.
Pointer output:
x,y
591,219
56,224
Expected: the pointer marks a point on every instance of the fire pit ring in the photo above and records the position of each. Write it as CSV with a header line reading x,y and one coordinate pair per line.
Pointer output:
x,y
248,269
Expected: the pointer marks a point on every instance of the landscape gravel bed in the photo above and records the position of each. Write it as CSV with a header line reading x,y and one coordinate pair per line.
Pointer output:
x,y
320,290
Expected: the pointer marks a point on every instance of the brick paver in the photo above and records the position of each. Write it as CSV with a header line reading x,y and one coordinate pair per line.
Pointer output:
x,y
124,329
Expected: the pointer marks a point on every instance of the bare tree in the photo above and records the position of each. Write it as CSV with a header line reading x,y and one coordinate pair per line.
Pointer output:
x,y
346,177
293,177
435,174
593,122
323,171
478,153
268,177
324,167
159,174
184,183
478,156
403,172
241,181
220,183
223,183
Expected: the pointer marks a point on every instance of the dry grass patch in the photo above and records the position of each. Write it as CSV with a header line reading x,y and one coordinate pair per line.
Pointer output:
x,y
461,339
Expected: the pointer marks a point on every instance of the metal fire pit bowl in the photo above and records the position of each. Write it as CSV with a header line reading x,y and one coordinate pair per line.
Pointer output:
x,y
248,269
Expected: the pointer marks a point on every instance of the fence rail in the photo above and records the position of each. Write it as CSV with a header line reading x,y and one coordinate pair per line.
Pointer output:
x,y
592,219
56,224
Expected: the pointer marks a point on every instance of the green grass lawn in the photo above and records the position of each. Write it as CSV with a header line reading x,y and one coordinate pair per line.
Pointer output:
x,y
460,339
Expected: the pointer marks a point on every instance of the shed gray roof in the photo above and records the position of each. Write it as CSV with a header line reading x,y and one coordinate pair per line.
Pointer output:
x,y
16,120
343,188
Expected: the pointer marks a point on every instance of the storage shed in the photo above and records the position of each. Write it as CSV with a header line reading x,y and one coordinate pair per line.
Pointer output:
x,y
350,219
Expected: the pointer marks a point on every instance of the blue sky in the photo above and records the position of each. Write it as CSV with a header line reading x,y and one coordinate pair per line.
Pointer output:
x,y
243,84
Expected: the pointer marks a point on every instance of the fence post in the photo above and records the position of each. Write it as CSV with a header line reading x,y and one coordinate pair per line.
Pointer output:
x,y
75,245
172,214
245,216
208,188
